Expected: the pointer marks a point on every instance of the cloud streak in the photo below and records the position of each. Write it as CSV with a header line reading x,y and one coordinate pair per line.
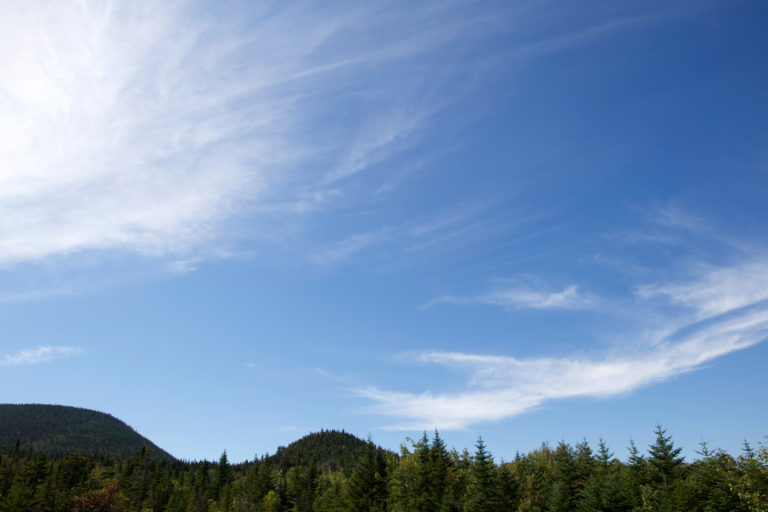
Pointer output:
x,y
719,291
143,128
38,355
114,141
413,235
721,320
524,298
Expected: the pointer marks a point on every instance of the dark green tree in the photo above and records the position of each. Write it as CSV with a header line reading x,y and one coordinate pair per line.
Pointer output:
x,y
223,476
564,494
258,482
509,486
664,459
366,489
665,466
484,487
330,492
706,487
422,495
441,499
306,488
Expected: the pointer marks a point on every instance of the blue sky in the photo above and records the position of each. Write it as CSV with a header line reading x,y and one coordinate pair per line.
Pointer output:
x,y
231,225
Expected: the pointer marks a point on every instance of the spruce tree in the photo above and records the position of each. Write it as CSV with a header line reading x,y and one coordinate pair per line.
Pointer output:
x,y
509,487
223,475
664,459
564,495
306,489
422,487
438,475
484,489
260,482
636,474
664,470
366,489
709,490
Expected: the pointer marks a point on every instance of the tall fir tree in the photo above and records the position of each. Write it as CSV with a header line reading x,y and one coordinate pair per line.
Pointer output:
x,y
563,496
223,476
422,487
484,495
440,499
366,489
664,459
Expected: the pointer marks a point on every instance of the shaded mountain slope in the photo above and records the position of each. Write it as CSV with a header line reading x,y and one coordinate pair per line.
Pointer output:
x,y
56,430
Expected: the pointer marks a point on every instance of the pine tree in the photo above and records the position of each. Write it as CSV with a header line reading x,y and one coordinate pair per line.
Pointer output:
x,y
422,487
635,475
664,459
664,472
258,482
306,489
139,474
708,489
438,475
564,490
330,492
223,476
401,482
510,488
366,489
484,490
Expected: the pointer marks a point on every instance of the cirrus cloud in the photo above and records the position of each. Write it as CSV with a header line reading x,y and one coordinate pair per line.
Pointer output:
x,y
38,355
726,313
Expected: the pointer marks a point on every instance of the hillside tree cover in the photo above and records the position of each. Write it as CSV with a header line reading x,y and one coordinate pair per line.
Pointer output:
x,y
56,430
423,477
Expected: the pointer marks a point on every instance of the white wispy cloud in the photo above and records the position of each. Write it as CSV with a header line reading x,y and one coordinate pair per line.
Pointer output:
x,y
112,144
142,127
727,313
29,296
38,355
421,232
389,134
352,244
718,291
524,298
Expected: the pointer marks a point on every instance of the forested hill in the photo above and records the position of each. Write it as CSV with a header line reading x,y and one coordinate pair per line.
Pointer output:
x,y
328,450
57,430
424,478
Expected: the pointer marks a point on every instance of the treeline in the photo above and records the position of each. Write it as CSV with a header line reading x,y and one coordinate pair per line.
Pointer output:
x,y
424,477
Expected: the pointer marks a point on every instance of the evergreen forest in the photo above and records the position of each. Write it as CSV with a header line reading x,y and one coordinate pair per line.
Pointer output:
x,y
57,430
334,471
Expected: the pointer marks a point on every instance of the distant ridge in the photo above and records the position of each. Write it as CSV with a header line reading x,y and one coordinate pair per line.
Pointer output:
x,y
328,450
56,430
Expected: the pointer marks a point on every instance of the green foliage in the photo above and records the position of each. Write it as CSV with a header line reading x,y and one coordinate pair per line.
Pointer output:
x,y
664,459
422,481
366,490
328,450
271,502
485,491
56,431
330,492
223,476
750,482
566,484
425,477
536,473
258,482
